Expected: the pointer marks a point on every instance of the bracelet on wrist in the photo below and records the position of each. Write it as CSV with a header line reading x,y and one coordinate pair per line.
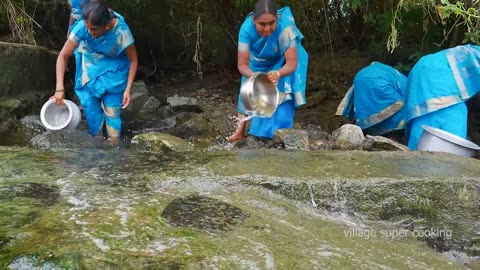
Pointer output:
x,y
60,90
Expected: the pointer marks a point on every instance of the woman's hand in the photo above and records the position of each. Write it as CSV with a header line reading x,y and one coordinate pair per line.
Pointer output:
x,y
273,77
59,96
126,98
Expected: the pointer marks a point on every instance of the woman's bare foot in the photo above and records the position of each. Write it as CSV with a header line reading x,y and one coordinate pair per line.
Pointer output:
x,y
239,133
114,141
236,137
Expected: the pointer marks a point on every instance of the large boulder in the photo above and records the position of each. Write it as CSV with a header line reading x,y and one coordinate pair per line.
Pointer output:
x,y
348,137
292,139
25,69
160,143
27,78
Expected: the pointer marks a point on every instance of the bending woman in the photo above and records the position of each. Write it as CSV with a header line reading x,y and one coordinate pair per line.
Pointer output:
x,y
437,88
108,67
376,99
270,42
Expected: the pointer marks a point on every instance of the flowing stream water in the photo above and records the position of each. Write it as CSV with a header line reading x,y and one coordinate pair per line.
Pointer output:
x,y
116,208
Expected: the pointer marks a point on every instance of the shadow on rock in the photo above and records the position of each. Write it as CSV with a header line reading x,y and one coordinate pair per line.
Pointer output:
x,y
47,195
203,213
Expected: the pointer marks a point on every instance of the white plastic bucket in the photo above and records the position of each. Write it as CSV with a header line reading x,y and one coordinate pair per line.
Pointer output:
x,y
58,117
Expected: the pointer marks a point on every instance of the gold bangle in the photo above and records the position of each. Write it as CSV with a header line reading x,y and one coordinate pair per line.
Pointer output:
x,y
278,73
60,90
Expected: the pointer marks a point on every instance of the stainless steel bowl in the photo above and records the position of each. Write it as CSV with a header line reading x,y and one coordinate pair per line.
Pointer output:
x,y
259,96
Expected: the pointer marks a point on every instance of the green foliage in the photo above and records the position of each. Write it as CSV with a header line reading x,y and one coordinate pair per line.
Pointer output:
x,y
356,4
181,29
459,14
412,59
472,37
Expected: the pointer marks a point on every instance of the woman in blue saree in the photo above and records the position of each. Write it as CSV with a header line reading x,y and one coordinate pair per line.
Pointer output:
x,y
437,88
270,42
108,67
376,99
75,13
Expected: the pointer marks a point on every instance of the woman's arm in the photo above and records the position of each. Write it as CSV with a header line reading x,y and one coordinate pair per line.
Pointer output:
x,y
131,52
291,63
243,58
62,61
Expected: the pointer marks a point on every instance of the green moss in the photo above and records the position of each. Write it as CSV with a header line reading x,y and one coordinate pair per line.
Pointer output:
x,y
109,213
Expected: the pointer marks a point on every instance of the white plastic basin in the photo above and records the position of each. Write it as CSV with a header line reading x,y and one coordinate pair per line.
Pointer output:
x,y
437,140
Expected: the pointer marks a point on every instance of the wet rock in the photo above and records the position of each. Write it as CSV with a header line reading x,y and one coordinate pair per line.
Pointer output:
x,y
22,204
46,194
24,87
66,139
69,261
140,126
321,145
348,137
316,133
195,127
13,108
14,216
292,139
160,142
183,117
164,111
7,123
24,132
252,142
443,214
4,241
380,143
33,124
203,213
25,68
138,97
184,104
319,140
151,105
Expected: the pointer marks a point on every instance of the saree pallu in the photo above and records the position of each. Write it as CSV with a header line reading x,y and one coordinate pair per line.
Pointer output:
x,y
376,99
103,74
438,82
267,54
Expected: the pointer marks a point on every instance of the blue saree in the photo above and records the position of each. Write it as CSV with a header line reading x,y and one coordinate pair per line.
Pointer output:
x,y
104,74
437,88
76,6
376,99
266,54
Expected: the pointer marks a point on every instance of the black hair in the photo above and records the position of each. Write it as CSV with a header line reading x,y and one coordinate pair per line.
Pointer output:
x,y
265,7
96,12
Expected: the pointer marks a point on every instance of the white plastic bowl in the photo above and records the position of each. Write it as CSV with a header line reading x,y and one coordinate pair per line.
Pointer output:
x,y
58,117
437,140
